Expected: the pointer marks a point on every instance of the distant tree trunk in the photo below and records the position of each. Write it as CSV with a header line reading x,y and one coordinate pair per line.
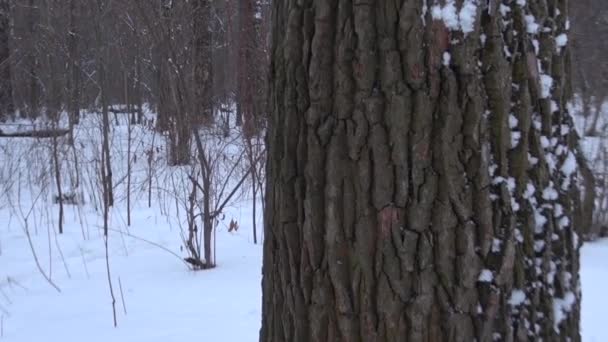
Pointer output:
x,y
7,107
239,113
421,181
138,81
74,77
232,40
220,52
597,113
32,61
52,89
590,20
247,67
203,72
587,205
165,107
101,71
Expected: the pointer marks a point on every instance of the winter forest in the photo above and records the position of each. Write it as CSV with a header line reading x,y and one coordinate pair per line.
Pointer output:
x,y
303,170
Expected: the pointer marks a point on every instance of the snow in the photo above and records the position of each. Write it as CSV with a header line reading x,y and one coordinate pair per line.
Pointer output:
x,y
558,210
485,276
514,204
529,192
513,121
554,107
455,20
546,83
536,45
511,184
519,236
467,16
539,245
531,25
569,166
561,40
518,297
498,179
540,221
544,142
550,194
561,308
551,273
563,222
448,14
446,59
496,245
594,276
532,160
515,138
551,161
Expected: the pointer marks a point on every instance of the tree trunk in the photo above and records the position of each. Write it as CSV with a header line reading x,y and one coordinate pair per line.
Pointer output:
x,y
7,108
420,183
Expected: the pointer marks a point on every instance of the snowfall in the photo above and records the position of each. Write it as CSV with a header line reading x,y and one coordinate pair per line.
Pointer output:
x,y
54,287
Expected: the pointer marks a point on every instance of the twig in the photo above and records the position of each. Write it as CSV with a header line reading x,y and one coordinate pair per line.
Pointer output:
x,y
153,244
48,229
12,281
122,297
65,264
4,311
8,299
29,240
84,262
105,239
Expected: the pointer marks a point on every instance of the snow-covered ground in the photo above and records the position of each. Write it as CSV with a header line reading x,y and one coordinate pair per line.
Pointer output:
x,y
594,278
163,299
158,298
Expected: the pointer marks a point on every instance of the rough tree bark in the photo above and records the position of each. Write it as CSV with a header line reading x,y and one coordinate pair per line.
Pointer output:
x,y
420,183
7,107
